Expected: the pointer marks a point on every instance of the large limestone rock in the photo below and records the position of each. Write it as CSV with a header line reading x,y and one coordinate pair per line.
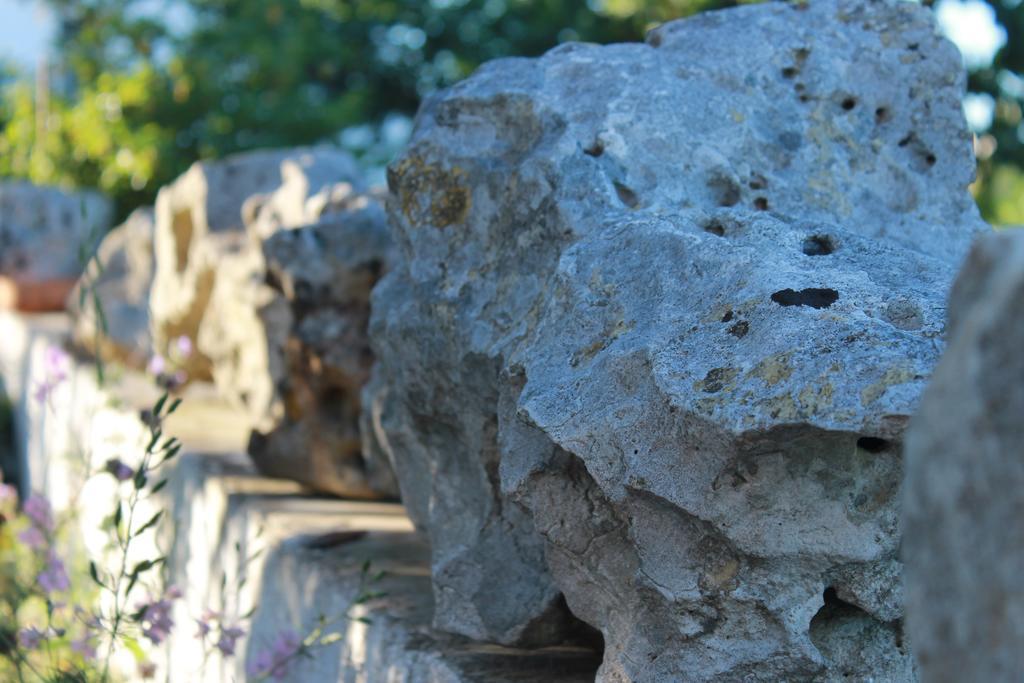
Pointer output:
x,y
315,327
964,491
198,223
233,334
201,237
285,325
707,435
687,290
110,305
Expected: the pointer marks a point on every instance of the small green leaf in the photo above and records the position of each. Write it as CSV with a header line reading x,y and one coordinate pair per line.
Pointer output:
x,y
159,485
101,317
171,454
152,521
160,404
157,433
145,566
330,638
253,557
94,573
174,405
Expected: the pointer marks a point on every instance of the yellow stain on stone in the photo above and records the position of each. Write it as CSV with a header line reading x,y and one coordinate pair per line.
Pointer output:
x,y
721,576
716,380
890,377
817,398
782,407
774,368
824,188
446,190
610,334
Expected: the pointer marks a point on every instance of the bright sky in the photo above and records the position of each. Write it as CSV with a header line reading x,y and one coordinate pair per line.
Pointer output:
x,y
971,25
27,28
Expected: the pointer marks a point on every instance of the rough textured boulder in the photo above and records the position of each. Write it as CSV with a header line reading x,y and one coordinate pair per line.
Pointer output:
x,y
692,290
964,490
707,435
198,223
284,327
315,327
42,229
121,284
200,232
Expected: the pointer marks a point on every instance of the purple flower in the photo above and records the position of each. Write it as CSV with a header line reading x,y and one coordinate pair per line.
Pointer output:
x,y
184,346
41,392
157,622
228,638
33,538
274,662
261,665
84,647
56,364
180,377
156,616
287,643
30,637
156,365
38,510
54,579
91,621
205,623
120,471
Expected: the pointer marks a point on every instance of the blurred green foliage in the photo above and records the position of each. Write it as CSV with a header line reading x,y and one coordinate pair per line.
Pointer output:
x,y
144,87
1000,186
8,453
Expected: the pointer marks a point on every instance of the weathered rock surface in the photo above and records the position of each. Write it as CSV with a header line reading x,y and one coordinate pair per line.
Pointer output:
x,y
200,231
315,328
686,290
964,490
284,326
708,434
42,228
121,286
242,303
199,225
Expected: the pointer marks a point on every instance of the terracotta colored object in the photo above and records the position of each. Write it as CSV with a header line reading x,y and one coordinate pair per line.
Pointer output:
x,y
35,296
